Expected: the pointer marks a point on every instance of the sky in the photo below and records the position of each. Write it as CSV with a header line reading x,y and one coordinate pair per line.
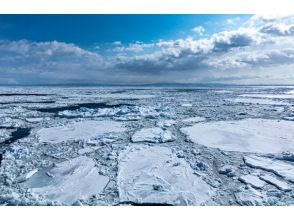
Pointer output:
x,y
146,49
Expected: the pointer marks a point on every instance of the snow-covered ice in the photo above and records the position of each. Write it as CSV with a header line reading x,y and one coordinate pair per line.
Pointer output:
x,y
248,135
249,197
270,96
153,174
79,130
280,168
69,181
282,185
254,181
153,135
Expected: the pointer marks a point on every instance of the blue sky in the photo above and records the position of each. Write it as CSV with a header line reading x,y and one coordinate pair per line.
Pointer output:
x,y
139,49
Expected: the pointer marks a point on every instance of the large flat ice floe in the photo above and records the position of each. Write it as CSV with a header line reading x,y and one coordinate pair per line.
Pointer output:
x,y
153,174
69,181
79,130
153,135
280,168
248,135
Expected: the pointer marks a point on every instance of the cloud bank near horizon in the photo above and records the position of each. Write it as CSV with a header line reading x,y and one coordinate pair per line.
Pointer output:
x,y
259,51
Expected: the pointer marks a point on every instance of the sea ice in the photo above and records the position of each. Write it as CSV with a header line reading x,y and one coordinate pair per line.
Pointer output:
x,y
258,101
280,168
193,119
165,123
153,174
153,135
249,197
69,181
79,130
270,96
276,182
248,135
252,180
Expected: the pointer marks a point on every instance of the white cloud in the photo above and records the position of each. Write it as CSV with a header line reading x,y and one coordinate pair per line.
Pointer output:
x,y
199,30
260,50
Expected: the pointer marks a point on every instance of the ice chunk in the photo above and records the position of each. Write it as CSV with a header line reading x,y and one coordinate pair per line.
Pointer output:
x,y
248,135
193,119
274,181
79,130
258,101
252,180
156,175
26,176
282,169
69,181
166,123
249,196
34,120
227,170
153,135
187,105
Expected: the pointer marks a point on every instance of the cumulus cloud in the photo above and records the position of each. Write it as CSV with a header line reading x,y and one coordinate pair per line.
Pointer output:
x,y
259,50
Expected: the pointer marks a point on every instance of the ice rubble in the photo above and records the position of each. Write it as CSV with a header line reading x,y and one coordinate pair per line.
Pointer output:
x,y
69,181
258,101
153,135
276,182
252,180
4,135
248,135
79,130
280,168
153,174
124,113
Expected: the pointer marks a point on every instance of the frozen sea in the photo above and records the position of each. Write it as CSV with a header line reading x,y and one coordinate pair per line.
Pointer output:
x,y
231,145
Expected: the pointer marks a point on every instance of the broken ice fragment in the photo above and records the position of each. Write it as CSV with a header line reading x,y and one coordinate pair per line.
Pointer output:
x,y
144,176
280,168
274,181
79,130
153,135
69,181
252,180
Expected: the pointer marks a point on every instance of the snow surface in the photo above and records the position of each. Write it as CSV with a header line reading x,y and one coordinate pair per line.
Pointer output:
x,y
252,180
153,135
248,135
153,174
276,182
69,181
79,130
280,168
